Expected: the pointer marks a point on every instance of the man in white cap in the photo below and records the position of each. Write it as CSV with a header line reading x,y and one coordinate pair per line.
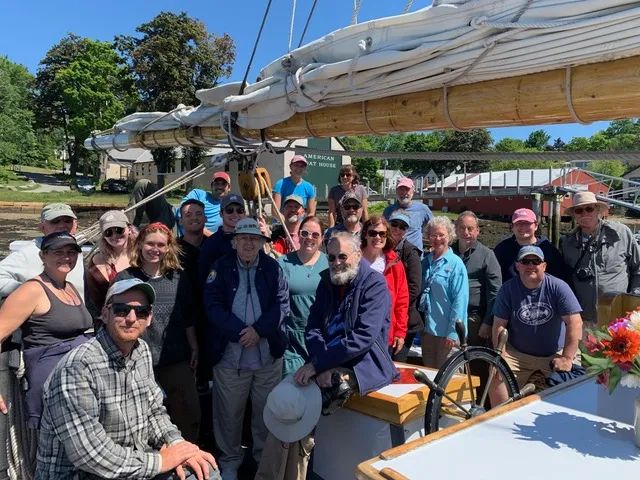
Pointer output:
x,y
602,255
220,186
296,185
23,265
246,299
418,212
293,213
103,414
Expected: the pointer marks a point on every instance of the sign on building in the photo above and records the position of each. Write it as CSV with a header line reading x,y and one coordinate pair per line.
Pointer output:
x,y
323,169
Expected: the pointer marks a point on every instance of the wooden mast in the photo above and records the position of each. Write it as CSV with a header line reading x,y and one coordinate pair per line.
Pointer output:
x,y
599,91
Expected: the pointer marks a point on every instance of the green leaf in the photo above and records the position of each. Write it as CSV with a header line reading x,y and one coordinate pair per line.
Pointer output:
x,y
600,362
615,374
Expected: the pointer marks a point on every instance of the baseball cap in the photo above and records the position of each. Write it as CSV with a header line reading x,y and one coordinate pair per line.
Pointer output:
x,y
231,198
57,240
405,182
223,175
122,286
350,196
113,218
55,210
299,158
294,198
524,215
399,215
530,250
249,226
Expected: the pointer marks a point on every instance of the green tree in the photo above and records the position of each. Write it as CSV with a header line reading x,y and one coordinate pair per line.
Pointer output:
x,y
513,145
367,167
475,140
538,140
20,144
578,144
171,59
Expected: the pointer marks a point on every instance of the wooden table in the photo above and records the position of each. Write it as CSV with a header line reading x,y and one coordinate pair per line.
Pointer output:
x,y
376,422
575,430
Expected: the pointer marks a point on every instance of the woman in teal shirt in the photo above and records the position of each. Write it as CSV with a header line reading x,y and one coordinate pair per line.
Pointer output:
x,y
302,270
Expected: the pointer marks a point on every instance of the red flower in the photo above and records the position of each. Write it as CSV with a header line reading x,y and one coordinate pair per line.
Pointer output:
x,y
603,378
592,344
623,347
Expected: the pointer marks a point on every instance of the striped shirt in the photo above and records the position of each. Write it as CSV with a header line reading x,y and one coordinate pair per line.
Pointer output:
x,y
103,415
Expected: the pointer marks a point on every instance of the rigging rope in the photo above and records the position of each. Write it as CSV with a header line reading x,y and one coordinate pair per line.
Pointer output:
x,y
356,10
293,18
408,6
306,25
255,47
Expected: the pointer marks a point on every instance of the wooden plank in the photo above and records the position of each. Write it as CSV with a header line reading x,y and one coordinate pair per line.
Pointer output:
x,y
599,91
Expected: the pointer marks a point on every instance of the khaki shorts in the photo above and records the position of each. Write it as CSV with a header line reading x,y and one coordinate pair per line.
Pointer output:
x,y
524,365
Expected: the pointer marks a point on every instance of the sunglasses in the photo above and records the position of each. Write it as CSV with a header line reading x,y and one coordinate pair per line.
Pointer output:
x,y
376,233
346,175
531,261
581,210
306,234
123,310
351,206
230,210
110,232
400,225
63,219
342,257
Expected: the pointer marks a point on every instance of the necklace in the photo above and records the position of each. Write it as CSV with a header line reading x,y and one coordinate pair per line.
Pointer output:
x,y
70,299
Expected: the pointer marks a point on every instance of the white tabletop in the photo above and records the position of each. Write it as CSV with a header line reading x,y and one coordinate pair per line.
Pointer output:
x,y
559,437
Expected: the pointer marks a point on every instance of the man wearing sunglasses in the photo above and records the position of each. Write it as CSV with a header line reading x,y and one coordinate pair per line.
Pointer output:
x,y
532,307
23,265
602,255
103,414
351,207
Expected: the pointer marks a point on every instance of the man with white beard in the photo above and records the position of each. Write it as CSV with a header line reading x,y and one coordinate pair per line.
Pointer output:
x,y
348,323
418,212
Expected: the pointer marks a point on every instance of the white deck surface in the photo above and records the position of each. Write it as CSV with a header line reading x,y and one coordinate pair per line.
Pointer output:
x,y
559,437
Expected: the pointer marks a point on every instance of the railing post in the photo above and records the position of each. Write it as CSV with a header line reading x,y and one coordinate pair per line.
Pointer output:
x,y
518,181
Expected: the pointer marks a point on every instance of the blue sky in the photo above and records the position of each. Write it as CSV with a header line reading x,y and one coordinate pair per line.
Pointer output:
x,y
31,27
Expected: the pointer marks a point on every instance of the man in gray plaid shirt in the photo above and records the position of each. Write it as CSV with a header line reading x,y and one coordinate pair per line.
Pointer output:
x,y
103,414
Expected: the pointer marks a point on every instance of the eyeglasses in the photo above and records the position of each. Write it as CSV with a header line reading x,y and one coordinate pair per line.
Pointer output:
x,y
342,257
350,206
306,234
376,233
123,310
531,261
110,232
581,210
400,225
230,210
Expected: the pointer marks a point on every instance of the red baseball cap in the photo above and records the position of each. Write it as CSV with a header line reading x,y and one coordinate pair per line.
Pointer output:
x,y
524,215
223,175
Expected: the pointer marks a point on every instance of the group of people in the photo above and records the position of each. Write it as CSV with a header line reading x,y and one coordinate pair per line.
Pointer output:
x,y
290,321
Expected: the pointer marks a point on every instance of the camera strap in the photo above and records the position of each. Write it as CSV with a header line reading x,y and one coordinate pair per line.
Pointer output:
x,y
586,248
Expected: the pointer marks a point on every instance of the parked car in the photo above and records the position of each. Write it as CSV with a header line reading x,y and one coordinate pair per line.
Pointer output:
x,y
112,185
85,185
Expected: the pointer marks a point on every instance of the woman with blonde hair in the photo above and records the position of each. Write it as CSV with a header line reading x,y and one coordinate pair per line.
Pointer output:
x,y
112,256
171,336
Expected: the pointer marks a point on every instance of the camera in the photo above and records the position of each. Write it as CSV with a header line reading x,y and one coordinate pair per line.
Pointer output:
x,y
584,273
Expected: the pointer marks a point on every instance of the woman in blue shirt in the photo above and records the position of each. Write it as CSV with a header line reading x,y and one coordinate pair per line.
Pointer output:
x,y
445,293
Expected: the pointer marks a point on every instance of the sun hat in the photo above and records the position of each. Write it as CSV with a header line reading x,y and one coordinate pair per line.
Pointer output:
x,y
113,218
231,198
585,198
530,250
524,215
294,198
299,158
292,411
399,215
248,226
55,210
223,175
57,240
122,286
405,182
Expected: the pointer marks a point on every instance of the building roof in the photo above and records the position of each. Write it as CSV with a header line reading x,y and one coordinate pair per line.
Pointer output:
x,y
131,155
507,178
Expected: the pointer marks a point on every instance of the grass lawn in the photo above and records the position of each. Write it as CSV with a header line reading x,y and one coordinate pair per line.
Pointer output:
x,y
376,208
71,197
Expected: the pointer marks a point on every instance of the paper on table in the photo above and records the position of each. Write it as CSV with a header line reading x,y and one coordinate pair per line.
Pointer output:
x,y
400,389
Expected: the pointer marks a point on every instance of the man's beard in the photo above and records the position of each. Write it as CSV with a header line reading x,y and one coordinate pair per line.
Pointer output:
x,y
353,218
404,202
344,275
293,219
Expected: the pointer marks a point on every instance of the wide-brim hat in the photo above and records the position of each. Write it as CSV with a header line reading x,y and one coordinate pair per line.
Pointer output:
x,y
292,411
249,226
585,198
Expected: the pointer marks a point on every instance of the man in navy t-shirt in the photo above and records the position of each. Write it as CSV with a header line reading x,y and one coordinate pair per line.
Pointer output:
x,y
532,307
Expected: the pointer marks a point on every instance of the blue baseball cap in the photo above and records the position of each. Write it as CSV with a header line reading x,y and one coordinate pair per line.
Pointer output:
x,y
530,250
122,286
231,198
399,215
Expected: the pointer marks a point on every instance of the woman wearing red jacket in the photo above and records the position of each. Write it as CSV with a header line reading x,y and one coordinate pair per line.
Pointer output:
x,y
378,249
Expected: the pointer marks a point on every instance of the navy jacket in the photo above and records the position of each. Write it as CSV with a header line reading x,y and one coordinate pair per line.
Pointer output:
x,y
507,251
219,292
352,332
214,247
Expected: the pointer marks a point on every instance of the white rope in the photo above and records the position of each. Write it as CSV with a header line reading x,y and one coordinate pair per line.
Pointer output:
x,y
356,11
293,17
408,6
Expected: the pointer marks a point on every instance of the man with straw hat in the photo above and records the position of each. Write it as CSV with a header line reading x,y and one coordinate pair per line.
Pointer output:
x,y
602,255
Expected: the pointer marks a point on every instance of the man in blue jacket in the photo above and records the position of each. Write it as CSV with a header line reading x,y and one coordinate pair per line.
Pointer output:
x,y
348,322
246,299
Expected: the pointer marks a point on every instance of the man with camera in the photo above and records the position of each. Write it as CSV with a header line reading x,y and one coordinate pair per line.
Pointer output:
x,y
532,307
602,255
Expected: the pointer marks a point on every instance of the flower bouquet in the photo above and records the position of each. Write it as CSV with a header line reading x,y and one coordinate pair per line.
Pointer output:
x,y
613,352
